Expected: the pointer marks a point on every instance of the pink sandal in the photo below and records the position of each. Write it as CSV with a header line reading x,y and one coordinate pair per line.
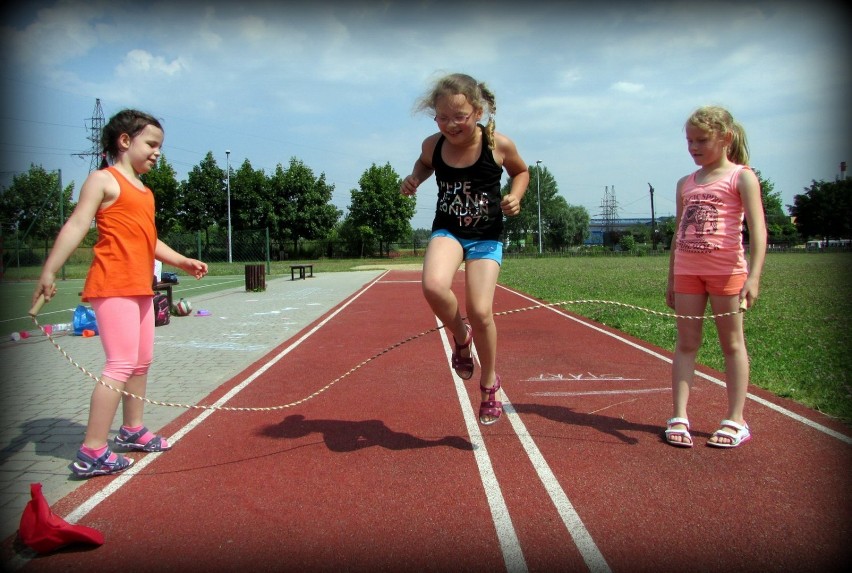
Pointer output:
x,y
463,365
491,407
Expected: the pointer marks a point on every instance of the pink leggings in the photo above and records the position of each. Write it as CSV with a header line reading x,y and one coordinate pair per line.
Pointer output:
x,y
126,330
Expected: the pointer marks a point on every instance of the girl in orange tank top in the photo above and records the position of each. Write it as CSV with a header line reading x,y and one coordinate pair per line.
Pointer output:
x,y
118,285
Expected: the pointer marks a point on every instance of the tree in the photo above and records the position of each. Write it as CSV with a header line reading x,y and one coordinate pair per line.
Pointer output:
x,y
824,210
379,206
525,225
283,210
30,206
312,215
779,227
205,196
169,211
561,224
567,225
251,207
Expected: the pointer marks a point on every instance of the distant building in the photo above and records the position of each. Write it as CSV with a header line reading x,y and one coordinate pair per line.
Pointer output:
x,y
598,227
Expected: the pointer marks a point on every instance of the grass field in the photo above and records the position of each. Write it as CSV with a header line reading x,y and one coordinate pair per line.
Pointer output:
x,y
798,333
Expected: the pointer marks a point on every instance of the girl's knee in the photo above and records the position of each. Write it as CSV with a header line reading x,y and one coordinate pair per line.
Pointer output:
x,y
480,320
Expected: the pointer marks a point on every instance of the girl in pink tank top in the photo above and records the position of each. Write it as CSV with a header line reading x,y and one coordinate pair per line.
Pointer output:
x,y
708,263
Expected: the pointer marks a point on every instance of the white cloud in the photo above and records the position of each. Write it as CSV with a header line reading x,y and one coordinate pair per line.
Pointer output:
x,y
628,87
143,62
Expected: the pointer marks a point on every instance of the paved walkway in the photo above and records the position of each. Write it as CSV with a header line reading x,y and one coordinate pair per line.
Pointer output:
x,y
44,399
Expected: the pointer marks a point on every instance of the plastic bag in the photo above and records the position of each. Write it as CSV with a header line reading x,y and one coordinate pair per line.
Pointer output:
x,y
84,319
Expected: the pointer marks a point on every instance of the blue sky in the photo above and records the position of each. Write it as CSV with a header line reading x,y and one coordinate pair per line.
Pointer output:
x,y
598,92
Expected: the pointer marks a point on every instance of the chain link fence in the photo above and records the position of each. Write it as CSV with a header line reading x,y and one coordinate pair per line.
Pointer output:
x,y
213,246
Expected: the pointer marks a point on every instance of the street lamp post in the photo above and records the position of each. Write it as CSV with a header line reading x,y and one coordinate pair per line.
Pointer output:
x,y
228,161
538,191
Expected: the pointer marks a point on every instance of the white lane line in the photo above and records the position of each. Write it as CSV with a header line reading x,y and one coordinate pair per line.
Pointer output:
x,y
601,392
510,546
508,538
582,538
780,409
125,476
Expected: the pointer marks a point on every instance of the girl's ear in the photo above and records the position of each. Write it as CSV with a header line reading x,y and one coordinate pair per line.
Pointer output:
x,y
124,141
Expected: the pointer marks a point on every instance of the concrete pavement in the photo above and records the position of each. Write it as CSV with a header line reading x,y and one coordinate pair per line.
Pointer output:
x,y
44,399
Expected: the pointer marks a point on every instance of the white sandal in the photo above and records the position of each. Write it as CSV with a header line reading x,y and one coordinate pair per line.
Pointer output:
x,y
741,435
683,433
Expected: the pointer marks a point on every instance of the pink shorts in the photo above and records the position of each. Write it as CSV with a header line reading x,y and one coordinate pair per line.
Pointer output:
x,y
126,328
725,285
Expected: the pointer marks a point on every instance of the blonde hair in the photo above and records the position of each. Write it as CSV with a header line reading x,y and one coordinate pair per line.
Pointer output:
x,y
477,93
718,120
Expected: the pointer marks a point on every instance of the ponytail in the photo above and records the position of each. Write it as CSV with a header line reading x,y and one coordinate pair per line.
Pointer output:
x,y
488,98
738,152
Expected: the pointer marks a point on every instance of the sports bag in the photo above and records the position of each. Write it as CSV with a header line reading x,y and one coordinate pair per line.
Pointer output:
x,y
162,313
84,319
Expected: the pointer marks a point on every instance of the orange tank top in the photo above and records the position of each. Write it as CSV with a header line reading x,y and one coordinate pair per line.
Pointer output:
x,y
123,263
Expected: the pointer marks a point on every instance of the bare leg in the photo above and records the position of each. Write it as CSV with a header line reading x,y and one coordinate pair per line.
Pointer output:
x,y
102,409
689,332
440,265
133,408
732,341
480,282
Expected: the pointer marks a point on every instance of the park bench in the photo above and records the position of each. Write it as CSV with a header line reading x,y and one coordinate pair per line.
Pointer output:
x,y
301,270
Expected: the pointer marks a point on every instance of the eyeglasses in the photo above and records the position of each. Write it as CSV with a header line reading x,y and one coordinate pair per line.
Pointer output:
x,y
457,119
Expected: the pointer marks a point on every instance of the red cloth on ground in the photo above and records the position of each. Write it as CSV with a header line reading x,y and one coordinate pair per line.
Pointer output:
x,y
44,531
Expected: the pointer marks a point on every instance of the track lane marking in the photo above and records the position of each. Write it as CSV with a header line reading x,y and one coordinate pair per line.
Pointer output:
x,y
510,546
509,543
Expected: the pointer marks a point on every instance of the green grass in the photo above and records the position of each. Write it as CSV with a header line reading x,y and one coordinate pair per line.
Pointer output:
x,y
798,333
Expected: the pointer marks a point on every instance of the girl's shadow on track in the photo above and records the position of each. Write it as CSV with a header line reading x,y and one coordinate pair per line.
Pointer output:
x,y
615,427
348,436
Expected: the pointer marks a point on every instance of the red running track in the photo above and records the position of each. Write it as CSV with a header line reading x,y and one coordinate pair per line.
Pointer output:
x,y
388,470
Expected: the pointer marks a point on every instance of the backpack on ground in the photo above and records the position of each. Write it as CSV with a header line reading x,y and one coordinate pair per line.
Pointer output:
x,y
162,313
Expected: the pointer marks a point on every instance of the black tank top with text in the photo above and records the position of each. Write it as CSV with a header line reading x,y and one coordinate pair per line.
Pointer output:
x,y
469,197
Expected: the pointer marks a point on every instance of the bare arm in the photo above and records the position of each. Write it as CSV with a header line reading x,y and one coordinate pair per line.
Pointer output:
x,y
96,190
749,188
166,254
517,169
678,213
422,169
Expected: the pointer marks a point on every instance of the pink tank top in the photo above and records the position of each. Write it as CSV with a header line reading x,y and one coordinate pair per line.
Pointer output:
x,y
710,238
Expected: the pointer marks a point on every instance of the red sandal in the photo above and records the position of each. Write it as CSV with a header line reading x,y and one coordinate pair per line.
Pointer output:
x,y
463,365
491,407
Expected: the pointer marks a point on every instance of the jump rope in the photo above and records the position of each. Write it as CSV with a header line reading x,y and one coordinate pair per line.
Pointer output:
x,y
40,302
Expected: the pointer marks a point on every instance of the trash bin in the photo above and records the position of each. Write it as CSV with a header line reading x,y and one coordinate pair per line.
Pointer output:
x,y
255,278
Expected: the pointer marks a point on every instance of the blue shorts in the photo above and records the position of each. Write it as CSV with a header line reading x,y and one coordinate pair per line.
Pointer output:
x,y
475,248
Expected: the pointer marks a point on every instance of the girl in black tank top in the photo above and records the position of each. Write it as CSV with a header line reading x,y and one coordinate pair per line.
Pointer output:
x,y
468,222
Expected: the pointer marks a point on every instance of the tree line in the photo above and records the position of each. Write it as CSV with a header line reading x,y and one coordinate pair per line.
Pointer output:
x,y
295,204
